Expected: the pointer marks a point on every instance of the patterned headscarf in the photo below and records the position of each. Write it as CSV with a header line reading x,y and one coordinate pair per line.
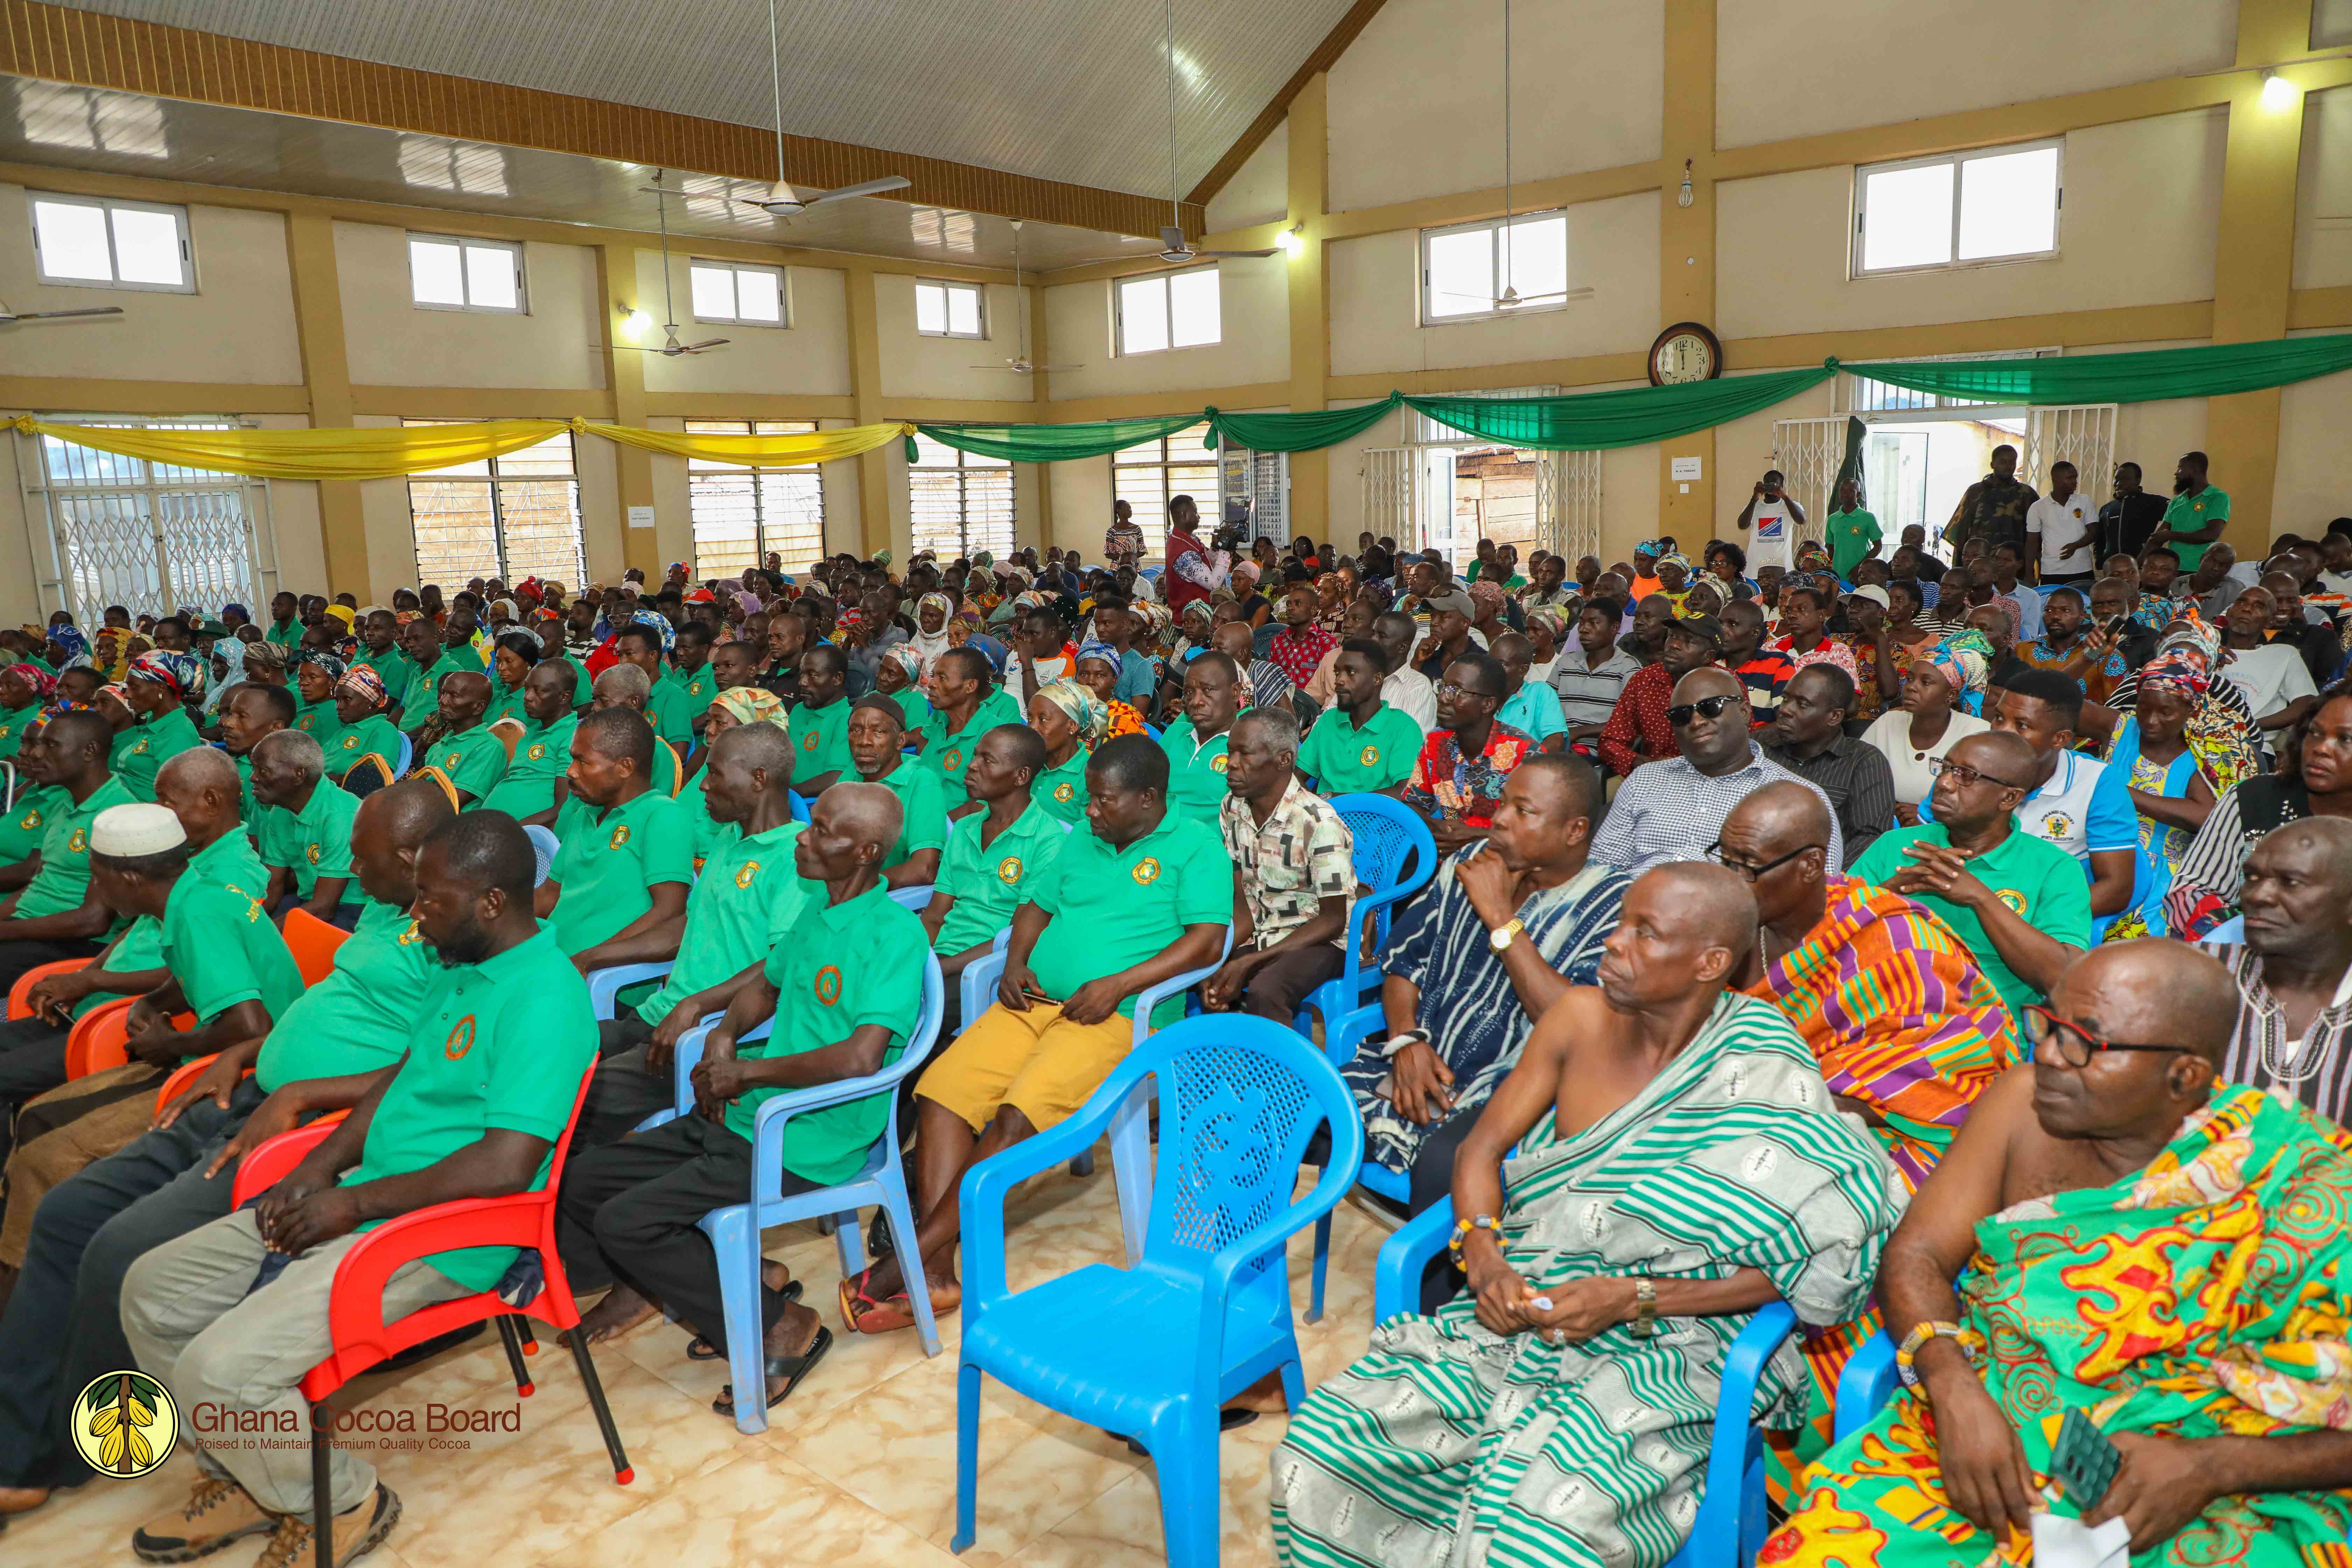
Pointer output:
x,y
1648,547
907,658
269,655
42,682
1078,700
752,705
989,648
69,637
362,682
1556,616
182,672
1487,595
1101,650
1673,558
333,664
2185,669
1965,660
659,622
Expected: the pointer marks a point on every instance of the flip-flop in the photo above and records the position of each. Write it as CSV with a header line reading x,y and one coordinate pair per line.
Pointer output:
x,y
790,1368
896,1312
701,1349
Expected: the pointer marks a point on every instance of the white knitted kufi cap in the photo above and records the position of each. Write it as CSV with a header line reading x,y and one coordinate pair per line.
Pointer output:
x,y
125,831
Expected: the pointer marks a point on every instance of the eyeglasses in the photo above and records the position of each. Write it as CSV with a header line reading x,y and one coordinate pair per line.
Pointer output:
x,y
1716,853
1968,775
1459,691
1705,708
2075,1044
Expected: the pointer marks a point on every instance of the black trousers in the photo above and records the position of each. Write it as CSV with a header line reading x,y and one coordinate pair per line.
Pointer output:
x,y
629,1213
32,1062
622,1093
63,1325
17,957
1280,986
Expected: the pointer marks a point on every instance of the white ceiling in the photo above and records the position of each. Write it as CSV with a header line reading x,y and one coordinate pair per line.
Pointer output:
x,y
1060,89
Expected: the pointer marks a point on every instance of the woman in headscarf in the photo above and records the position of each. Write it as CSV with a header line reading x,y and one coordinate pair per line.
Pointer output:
x,y
1070,719
23,689
315,677
1099,668
1673,578
1255,607
1486,618
1547,627
2175,775
933,612
898,675
360,703
1927,722
736,705
518,652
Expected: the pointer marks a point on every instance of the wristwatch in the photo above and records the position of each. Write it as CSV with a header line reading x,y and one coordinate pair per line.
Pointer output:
x,y
1646,1310
1396,1043
1501,937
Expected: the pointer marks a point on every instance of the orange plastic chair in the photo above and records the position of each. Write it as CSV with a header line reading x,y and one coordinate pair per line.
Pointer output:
x,y
313,942
20,1006
100,1038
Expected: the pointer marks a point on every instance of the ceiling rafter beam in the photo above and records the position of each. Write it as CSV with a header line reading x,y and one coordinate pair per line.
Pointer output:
x,y
1326,54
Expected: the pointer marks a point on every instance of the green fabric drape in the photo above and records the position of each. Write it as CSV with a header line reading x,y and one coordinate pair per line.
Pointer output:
x,y
1635,416
1300,432
1057,443
2211,370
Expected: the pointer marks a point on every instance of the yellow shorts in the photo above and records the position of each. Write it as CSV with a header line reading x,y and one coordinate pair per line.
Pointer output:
x,y
1037,1062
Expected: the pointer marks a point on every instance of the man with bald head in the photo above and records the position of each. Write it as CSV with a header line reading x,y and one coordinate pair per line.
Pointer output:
x,y
843,985
2020,903
2133,1237
468,754
2293,968
1673,809
63,1326
1592,1271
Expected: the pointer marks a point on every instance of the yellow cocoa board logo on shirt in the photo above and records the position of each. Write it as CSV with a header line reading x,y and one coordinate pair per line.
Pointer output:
x,y
2013,898
124,1424
140,750
829,984
30,820
78,843
536,753
1218,762
412,936
1009,869
620,836
1063,792
313,853
351,742
1370,757
1146,872
452,762
461,1039
750,870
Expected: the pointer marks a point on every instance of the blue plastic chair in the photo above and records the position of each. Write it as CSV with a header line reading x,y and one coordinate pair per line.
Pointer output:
x,y
1731,1524
544,845
1130,1133
1153,730
799,806
605,985
1865,1385
1395,855
1341,1038
917,897
1154,1350
407,755
734,1231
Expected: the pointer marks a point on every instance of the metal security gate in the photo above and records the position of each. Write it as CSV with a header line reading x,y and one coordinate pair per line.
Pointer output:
x,y
1387,475
148,536
1260,480
1572,496
1809,452
2082,434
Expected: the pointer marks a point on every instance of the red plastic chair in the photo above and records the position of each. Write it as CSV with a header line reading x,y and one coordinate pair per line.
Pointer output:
x,y
19,995
355,1307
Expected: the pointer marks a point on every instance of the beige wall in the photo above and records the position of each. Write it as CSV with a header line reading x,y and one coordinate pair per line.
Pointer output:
x,y
916,367
2323,208
239,326
1799,68
1259,191
1254,302
1416,102
811,356
393,342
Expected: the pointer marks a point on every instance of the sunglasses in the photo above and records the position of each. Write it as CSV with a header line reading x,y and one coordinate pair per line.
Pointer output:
x,y
2074,1045
1705,708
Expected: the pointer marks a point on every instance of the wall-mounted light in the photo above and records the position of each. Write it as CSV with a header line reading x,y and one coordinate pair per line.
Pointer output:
x,y
1289,238
1683,197
636,324
2278,93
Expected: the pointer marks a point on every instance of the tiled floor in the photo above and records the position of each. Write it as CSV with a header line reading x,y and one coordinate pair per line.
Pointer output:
x,y
860,1464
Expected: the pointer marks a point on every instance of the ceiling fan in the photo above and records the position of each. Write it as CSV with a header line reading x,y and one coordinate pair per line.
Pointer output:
x,y
10,318
1019,365
791,202
671,348
1511,299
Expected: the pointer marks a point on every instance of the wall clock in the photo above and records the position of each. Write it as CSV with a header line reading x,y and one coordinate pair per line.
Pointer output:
x,y
1684,352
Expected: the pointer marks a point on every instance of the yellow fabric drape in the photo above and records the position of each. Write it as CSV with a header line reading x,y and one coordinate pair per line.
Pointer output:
x,y
340,453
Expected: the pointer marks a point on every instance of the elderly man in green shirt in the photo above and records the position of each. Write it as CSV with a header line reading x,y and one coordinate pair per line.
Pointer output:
x,y
628,853
470,755
305,831
876,738
1360,745
52,911
965,705
160,686
992,855
63,1325
533,788
485,1089
1196,743
625,686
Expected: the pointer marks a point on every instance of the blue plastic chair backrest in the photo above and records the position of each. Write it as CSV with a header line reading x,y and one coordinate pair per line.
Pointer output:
x,y
543,845
1152,730
1393,846
1239,1098
799,806
407,755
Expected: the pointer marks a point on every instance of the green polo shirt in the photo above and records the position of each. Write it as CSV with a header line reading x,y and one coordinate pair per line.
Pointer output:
x,y
610,860
249,809
541,758
221,947
143,748
711,836
912,705
506,703
497,1043
821,741
841,967
2189,513
357,1018
990,881
423,698
1346,759
671,712
323,724
391,665
1850,535
922,810
945,751
474,760
1196,771
12,727
2042,882
373,736
313,842
1062,790
229,860
583,685
746,900
1113,909
63,880
699,687
27,820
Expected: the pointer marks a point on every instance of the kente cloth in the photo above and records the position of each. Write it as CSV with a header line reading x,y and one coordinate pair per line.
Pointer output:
x,y
1446,1444
2201,1296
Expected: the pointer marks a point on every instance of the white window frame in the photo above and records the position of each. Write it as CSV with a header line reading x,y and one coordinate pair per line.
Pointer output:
x,y
970,533
705,480
1152,464
188,285
1164,278
1862,173
521,307
486,473
1493,226
980,299
784,292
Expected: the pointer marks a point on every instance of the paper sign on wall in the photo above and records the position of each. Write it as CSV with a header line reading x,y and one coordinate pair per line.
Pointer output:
x,y
643,516
1686,467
